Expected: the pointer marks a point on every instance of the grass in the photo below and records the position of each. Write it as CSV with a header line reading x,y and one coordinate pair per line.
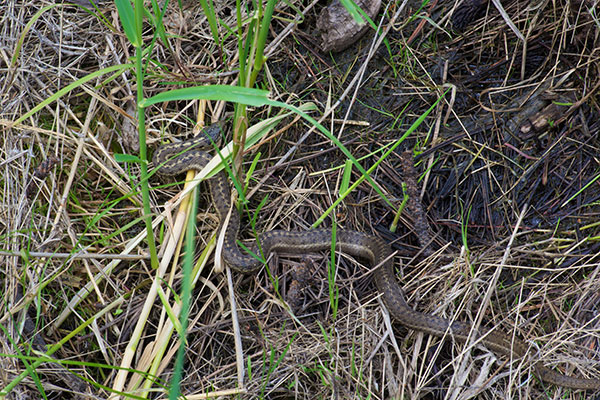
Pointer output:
x,y
312,139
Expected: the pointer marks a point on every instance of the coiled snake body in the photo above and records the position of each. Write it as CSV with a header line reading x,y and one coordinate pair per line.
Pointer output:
x,y
176,158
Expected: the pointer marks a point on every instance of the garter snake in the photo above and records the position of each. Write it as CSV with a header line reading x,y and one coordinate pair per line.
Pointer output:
x,y
175,158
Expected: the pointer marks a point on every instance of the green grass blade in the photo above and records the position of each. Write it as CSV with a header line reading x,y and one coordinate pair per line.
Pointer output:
x,y
70,87
366,174
353,10
209,11
127,18
594,179
234,94
26,30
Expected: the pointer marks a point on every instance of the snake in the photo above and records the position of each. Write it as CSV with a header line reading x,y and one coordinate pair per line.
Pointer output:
x,y
175,158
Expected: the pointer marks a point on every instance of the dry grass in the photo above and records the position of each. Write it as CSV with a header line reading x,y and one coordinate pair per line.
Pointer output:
x,y
479,172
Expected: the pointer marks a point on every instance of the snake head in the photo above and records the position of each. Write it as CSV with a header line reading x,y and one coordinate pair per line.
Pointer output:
x,y
212,132
175,158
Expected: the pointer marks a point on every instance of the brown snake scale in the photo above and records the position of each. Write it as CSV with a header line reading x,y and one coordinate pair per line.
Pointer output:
x,y
175,158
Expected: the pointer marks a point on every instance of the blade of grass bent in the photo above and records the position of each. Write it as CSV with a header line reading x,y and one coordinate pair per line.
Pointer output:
x,y
255,97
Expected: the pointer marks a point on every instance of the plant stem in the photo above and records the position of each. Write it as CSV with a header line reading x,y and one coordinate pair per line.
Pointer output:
x,y
139,75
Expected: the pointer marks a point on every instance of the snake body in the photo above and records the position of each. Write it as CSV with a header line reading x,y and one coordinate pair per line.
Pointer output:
x,y
175,158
